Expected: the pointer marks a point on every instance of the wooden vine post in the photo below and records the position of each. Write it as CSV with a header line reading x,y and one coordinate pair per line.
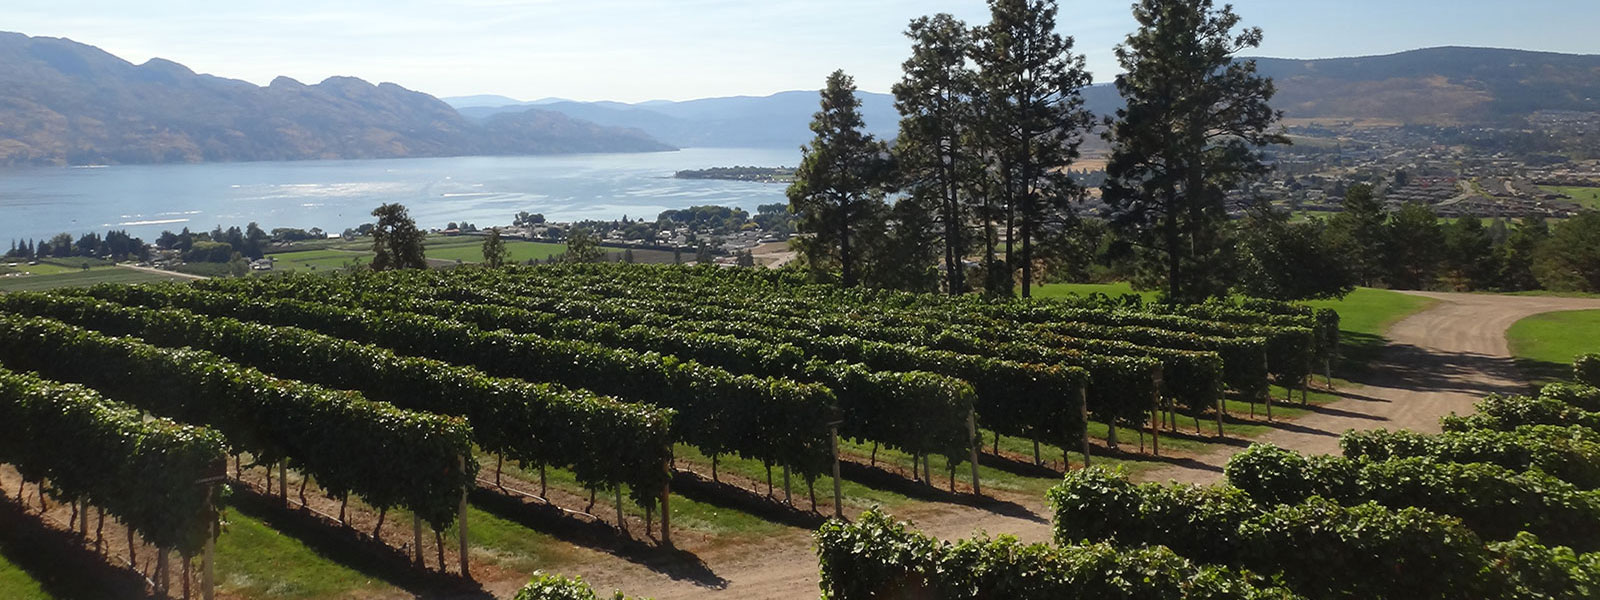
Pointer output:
x,y
1221,412
208,555
972,434
462,517
838,490
666,506
416,537
1083,415
1268,388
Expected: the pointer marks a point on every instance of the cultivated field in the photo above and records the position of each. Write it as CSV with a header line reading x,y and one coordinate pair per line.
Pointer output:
x,y
551,394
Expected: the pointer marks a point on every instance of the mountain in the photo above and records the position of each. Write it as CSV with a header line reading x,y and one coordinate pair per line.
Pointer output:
x,y
62,102
492,100
1430,86
1436,85
778,121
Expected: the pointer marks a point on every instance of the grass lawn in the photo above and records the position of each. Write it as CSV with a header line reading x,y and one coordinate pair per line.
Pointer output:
x,y
1545,345
1364,316
17,584
256,561
1587,196
318,260
78,278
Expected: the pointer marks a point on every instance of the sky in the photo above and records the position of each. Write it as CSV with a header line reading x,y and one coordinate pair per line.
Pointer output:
x,y
637,50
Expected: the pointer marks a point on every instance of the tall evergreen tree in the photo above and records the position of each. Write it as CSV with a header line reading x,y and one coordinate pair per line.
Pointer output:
x,y
1356,233
1192,131
1030,84
837,194
1516,256
396,240
935,103
1469,254
1414,247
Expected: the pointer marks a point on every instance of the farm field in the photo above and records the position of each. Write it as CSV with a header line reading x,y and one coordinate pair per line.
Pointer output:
x,y
542,497
79,278
1588,197
1546,344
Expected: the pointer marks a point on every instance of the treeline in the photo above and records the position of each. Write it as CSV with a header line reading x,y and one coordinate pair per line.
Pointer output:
x,y
1411,248
114,245
992,119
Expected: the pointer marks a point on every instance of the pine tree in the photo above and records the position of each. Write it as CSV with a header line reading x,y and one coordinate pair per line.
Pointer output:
x,y
935,100
1356,233
1191,132
837,194
1030,85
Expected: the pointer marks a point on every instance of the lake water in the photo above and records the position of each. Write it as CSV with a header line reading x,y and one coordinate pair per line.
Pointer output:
x,y
37,203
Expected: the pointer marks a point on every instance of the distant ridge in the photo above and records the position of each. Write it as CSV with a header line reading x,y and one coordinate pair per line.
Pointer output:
x,y
1446,85
62,102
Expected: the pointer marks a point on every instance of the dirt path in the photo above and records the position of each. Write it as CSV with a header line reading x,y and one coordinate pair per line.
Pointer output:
x,y
1439,361
164,272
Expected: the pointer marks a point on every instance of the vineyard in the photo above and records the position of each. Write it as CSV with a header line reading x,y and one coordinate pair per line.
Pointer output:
x,y
1503,504
408,392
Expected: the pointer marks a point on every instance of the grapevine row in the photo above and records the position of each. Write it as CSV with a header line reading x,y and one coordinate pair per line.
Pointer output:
x,y
387,456
605,443
148,473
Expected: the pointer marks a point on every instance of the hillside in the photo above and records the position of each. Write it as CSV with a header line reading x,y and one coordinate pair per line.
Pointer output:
x,y
1431,86
1437,85
62,102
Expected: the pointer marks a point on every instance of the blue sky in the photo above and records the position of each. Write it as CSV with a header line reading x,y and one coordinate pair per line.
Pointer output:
x,y
634,50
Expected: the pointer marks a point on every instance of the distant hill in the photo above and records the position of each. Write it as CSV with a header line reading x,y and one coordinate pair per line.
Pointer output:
x,y
1431,86
1437,85
62,102
777,121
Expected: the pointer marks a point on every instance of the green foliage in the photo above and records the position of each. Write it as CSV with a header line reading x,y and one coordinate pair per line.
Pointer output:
x,y
876,557
1570,453
1030,122
89,448
1191,131
605,443
837,194
1494,501
495,252
1586,369
396,240
1570,260
583,247
555,587
1505,413
1289,261
775,420
389,457
1414,248
1317,548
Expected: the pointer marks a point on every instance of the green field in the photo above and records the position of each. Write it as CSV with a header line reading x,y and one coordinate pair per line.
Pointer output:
x,y
472,252
78,278
17,584
1587,196
318,260
1545,345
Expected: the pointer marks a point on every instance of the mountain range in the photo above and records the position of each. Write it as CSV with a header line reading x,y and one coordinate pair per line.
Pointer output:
x,y
1430,86
62,102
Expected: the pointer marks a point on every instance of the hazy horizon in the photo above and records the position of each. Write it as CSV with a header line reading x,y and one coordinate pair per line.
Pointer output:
x,y
640,50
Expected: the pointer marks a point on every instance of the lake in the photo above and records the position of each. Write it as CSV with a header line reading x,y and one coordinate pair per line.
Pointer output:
x,y
39,202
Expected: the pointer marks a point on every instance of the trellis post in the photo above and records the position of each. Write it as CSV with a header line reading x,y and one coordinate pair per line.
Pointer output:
x,y
1083,415
462,517
838,490
972,434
